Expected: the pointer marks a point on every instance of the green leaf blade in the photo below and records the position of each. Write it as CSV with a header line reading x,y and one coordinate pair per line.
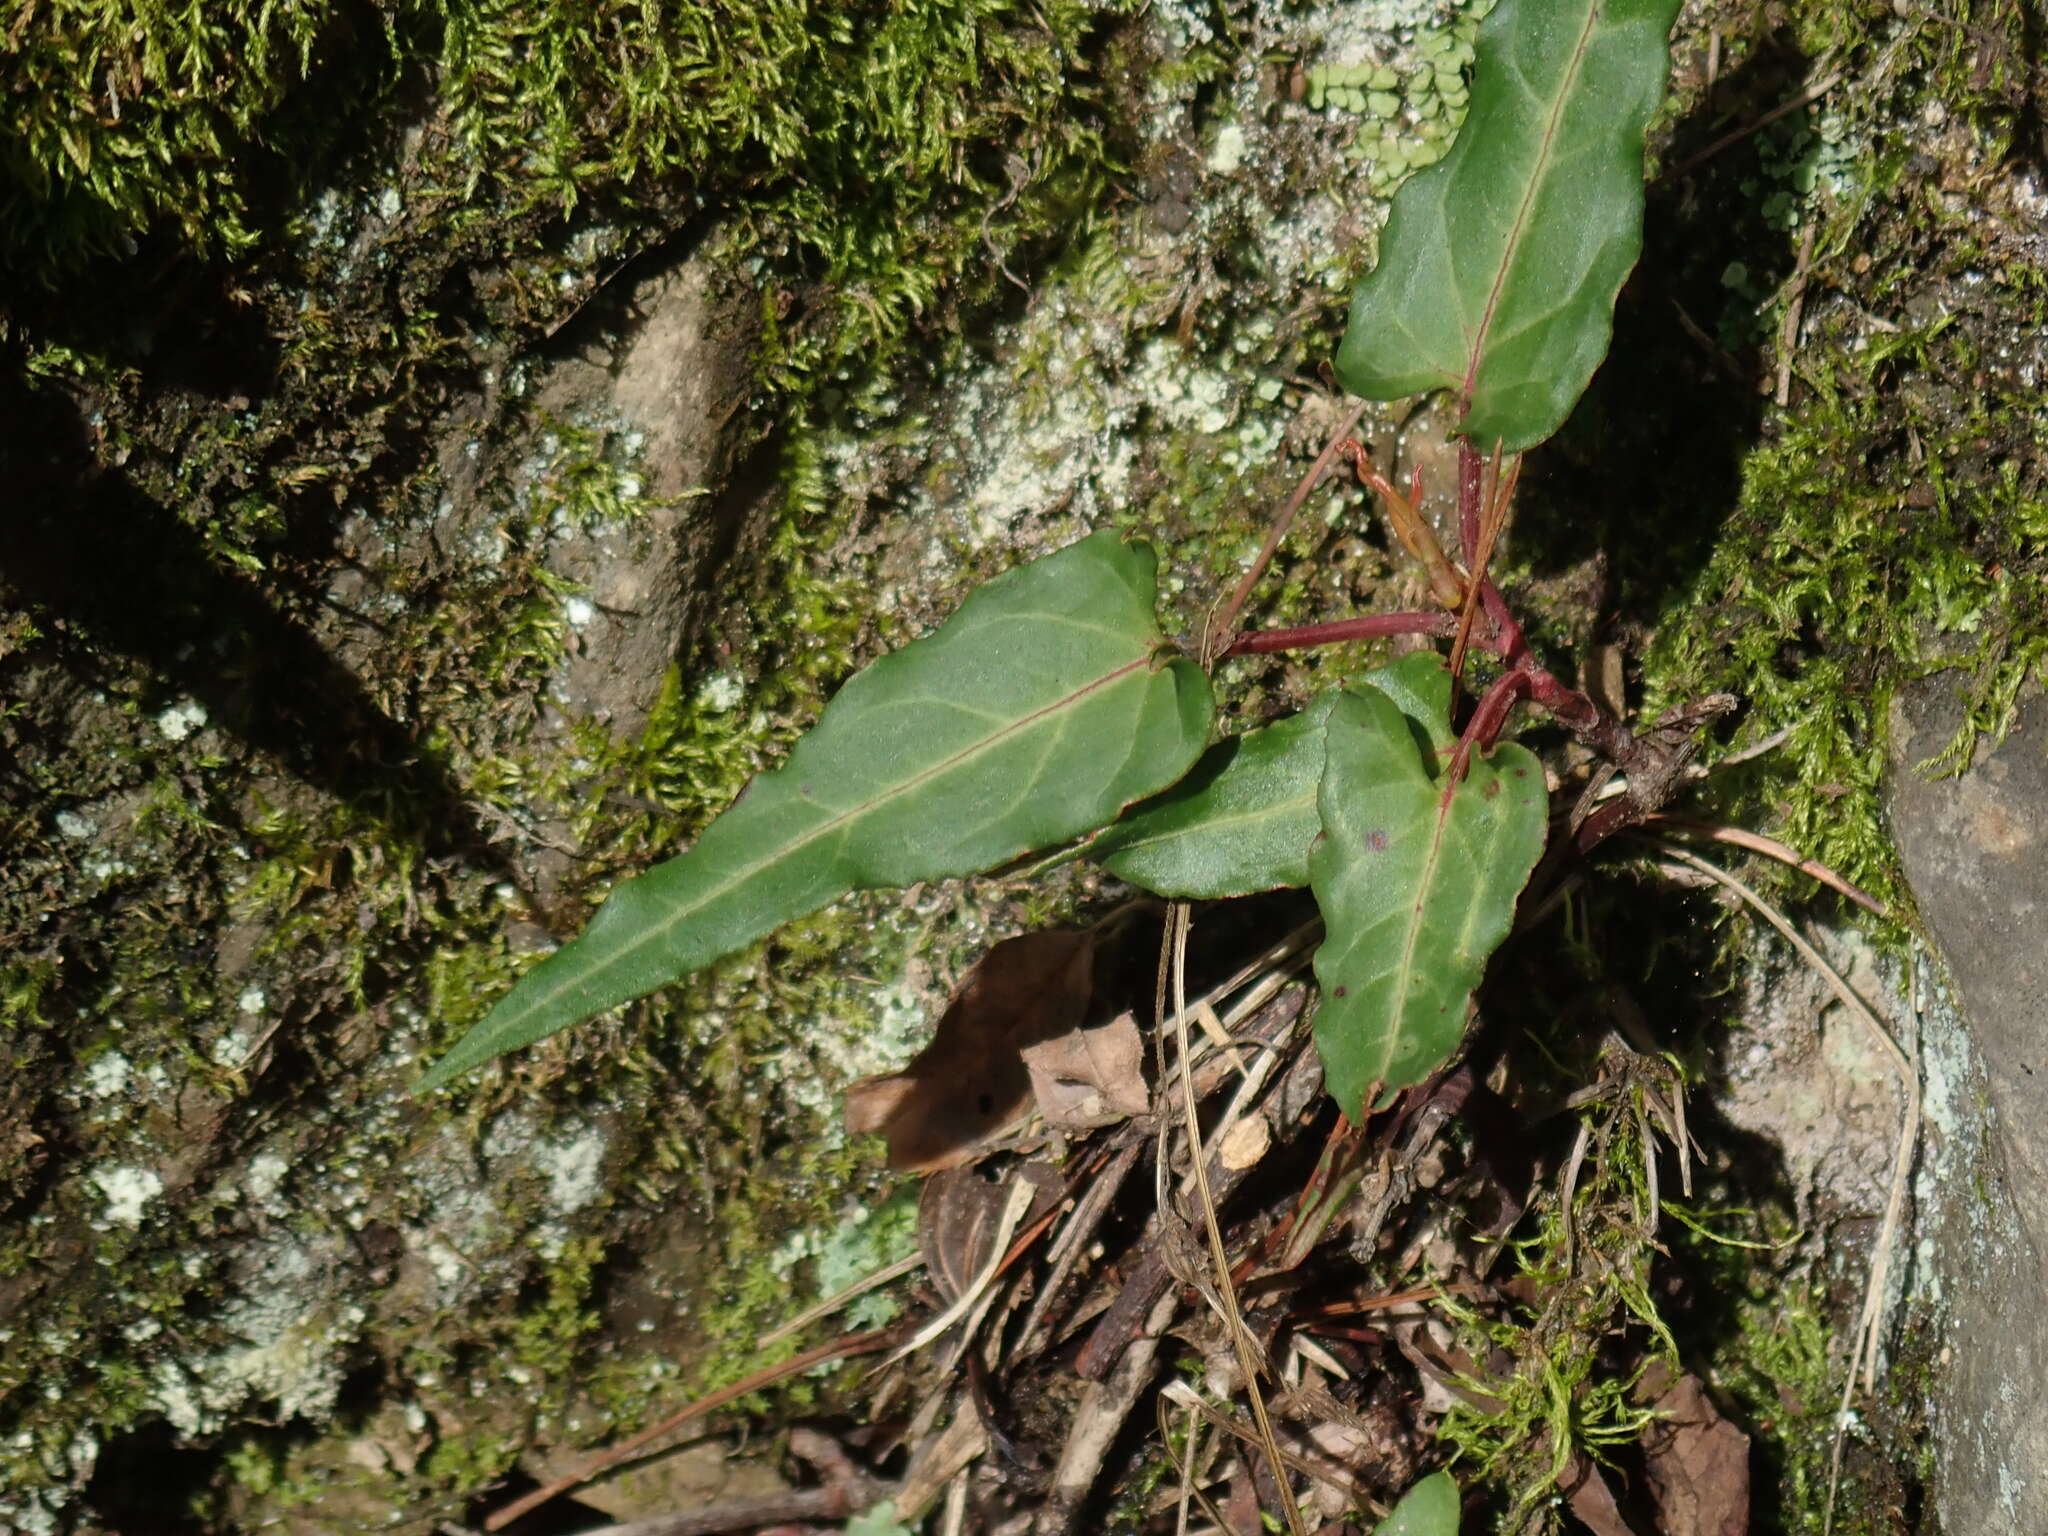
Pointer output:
x,y
1242,821
1415,894
1239,823
1500,264
1037,712
1430,1508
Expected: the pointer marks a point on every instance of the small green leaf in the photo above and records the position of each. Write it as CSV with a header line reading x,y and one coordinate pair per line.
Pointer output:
x,y
1243,819
1430,1508
1240,822
1415,893
1036,713
1499,264
882,1520
1420,686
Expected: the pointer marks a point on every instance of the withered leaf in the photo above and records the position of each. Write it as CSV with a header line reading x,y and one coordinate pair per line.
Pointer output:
x,y
971,1084
1590,1499
1089,1076
1698,1464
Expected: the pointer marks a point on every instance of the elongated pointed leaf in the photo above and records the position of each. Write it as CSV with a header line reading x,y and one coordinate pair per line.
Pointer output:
x,y
1037,712
1499,264
1430,1508
1243,819
1415,895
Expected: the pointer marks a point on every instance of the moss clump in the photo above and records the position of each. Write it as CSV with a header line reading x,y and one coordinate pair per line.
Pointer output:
x,y
119,115
1589,1267
1895,519
299,286
880,151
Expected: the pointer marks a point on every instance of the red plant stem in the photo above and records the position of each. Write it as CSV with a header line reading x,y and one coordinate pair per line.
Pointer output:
x,y
1491,712
1488,716
1470,468
1219,626
1374,626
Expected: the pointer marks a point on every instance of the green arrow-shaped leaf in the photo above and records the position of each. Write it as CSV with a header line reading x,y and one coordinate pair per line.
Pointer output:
x,y
1430,1508
1243,819
1037,712
1415,892
1500,263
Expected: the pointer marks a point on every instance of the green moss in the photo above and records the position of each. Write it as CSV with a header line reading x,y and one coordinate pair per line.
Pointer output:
x,y
1779,1368
883,152
1895,520
1848,568
1589,1269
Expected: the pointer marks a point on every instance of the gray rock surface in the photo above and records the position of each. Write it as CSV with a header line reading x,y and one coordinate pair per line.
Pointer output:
x,y
1973,851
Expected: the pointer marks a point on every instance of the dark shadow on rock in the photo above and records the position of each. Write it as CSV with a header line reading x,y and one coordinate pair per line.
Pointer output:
x,y
145,1483
1650,463
113,577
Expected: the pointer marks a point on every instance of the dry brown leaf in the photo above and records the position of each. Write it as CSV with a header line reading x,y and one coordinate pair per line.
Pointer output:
x,y
958,1214
1089,1076
970,1084
1698,1464
1590,1500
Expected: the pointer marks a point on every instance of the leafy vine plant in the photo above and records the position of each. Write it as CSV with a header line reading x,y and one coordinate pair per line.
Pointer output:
x,y
1051,706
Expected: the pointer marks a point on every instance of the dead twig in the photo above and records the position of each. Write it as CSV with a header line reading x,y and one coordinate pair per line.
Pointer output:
x,y
1226,1292
848,1491
604,1461
1805,98
1225,618
1795,307
1295,1454
1098,1420
1122,1322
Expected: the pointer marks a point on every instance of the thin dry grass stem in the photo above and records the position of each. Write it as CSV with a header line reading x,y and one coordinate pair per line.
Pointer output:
x,y
1754,750
604,1461
838,1299
1490,526
1771,848
1225,617
1186,1464
1309,1466
1805,98
1254,985
1179,917
975,1296
1568,1188
1795,310
1870,1325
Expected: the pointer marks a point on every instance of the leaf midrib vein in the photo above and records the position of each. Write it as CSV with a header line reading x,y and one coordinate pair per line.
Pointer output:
x,y
1521,219
834,824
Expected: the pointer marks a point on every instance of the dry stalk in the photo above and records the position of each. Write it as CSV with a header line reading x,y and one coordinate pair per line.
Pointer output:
x,y
838,1299
1178,921
1870,1325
